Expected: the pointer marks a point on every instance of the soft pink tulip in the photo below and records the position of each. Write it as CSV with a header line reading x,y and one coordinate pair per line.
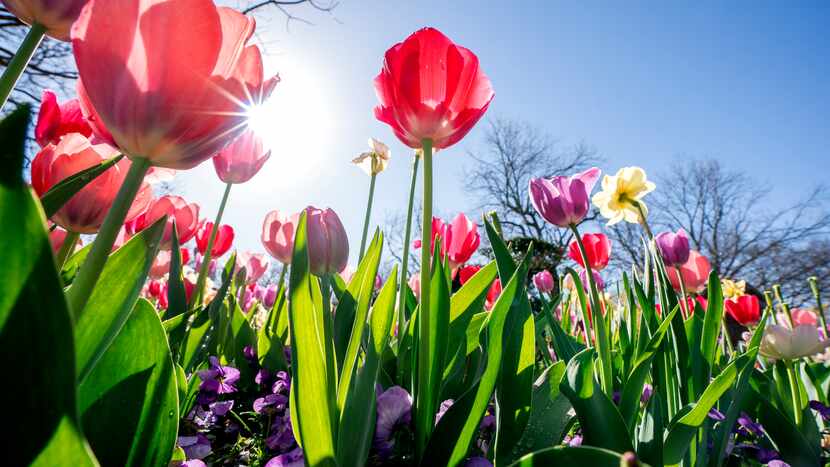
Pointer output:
x,y
56,16
55,120
255,265
242,159
278,235
561,200
170,80
161,265
543,280
463,242
85,211
328,244
800,316
184,214
415,285
695,273
270,297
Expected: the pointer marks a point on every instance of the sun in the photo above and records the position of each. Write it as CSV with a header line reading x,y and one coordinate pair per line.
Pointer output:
x,y
295,124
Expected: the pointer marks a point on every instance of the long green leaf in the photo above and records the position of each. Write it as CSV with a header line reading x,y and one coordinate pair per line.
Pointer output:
x,y
114,296
61,193
176,296
581,455
130,400
712,322
314,410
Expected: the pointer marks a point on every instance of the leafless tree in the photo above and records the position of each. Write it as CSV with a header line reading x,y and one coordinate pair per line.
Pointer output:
x,y
52,65
726,217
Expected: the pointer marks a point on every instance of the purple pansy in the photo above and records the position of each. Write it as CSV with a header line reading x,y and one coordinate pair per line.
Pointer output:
x,y
478,462
196,446
822,409
218,379
716,415
442,409
282,435
292,458
394,407
278,399
749,427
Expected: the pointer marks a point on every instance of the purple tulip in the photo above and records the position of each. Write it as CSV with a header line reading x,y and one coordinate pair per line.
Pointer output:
x,y
543,280
564,201
328,244
674,247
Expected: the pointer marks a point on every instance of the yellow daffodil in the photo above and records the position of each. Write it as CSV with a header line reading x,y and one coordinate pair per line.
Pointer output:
x,y
374,161
733,289
622,194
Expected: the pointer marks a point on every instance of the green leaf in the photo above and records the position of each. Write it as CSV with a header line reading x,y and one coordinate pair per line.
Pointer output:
x,y
465,303
712,322
130,400
581,455
366,282
176,296
740,393
592,405
35,327
314,409
515,387
357,421
73,264
687,421
650,439
458,426
114,296
62,192
549,417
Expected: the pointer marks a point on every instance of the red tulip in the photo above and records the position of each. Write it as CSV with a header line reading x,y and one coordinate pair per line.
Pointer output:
x,y
745,309
328,244
221,244
85,211
171,80
55,120
597,248
56,16
278,235
56,238
241,159
431,88
467,272
695,273
186,217
255,265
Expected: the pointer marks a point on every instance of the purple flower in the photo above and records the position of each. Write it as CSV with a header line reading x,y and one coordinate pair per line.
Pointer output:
x,y
575,440
250,355
394,408
270,297
563,201
282,435
647,391
277,401
218,379
195,447
221,408
749,427
822,409
716,415
442,409
478,462
777,463
192,463
674,247
293,458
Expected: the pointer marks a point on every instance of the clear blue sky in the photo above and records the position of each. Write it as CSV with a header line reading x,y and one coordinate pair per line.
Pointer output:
x,y
642,82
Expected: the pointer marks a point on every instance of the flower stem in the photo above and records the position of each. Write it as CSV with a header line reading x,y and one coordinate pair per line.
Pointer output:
x,y
205,269
422,390
606,376
684,306
68,246
19,62
643,221
81,289
405,254
813,280
776,289
368,216
795,391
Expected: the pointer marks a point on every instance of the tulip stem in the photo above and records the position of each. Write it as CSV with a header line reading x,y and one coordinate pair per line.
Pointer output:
x,y
727,341
66,248
205,269
795,390
776,289
684,307
368,216
606,376
424,422
405,253
19,62
813,280
84,282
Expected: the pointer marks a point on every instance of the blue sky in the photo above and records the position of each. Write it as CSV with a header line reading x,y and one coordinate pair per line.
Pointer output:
x,y
645,83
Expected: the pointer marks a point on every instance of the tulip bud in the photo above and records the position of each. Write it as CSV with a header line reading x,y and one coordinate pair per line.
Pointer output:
x,y
673,247
328,244
543,280
242,159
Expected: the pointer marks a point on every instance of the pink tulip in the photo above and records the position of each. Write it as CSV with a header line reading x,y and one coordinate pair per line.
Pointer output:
x,y
695,273
221,244
55,120
543,280
186,217
270,297
56,16
85,211
673,247
561,200
800,316
463,242
241,159
170,80
278,235
161,265
255,265
415,285
328,244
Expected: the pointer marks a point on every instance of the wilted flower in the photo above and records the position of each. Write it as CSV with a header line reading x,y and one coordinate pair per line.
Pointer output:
x,y
732,289
563,201
782,343
374,161
543,280
695,273
673,247
622,194
745,309
431,88
597,249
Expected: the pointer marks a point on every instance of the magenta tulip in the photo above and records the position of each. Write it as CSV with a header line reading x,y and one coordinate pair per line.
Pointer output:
x,y
543,280
564,201
673,247
328,244
56,16
242,159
